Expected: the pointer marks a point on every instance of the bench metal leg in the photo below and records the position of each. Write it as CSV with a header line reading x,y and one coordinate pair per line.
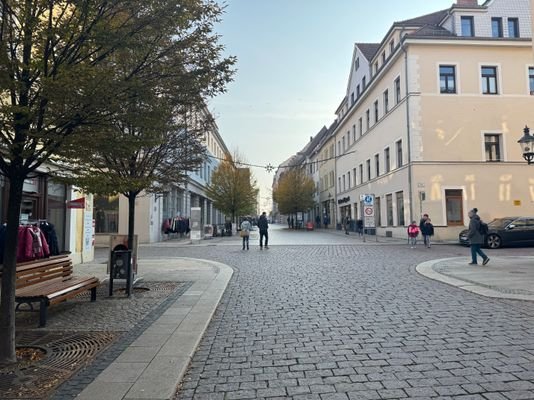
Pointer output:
x,y
43,308
93,294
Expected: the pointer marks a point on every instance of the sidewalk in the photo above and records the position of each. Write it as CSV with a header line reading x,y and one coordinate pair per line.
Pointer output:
x,y
153,365
502,277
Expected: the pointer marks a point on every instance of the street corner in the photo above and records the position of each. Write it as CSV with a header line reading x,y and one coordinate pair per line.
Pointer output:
x,y
503,277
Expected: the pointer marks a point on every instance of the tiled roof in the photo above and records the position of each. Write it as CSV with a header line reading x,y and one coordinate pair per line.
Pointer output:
x,y
368,49
429,19
432,31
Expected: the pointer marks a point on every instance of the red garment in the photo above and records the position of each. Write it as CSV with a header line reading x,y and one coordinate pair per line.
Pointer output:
x,y
32,244
413,230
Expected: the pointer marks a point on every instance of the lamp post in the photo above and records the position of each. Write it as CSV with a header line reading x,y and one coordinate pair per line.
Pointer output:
x,y
527,145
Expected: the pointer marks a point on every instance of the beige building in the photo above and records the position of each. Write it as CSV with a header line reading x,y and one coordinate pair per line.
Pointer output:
x,y
432,115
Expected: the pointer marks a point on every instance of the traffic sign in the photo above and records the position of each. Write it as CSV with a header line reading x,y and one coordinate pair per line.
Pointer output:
x,y
369,200
369,222
369,211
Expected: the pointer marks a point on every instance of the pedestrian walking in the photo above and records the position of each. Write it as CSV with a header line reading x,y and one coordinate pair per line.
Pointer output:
x,y
413,232
347,224
317,221
288,223
245,233
359,227
292,224
476,237
326,221
263,226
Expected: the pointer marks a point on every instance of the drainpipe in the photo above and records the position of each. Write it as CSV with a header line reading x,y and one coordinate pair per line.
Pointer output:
x,y
408,131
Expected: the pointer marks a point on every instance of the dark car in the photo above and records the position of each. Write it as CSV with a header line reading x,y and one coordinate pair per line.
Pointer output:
x,y
505,232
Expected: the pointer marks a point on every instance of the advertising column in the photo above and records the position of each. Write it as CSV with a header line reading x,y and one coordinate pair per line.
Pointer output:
x,y
195,224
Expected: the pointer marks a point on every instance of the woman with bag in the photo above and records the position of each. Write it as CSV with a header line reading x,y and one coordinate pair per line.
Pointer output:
x,y
245,232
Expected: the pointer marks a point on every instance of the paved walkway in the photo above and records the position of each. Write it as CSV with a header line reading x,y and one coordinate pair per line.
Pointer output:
x,y
153,365
503,277
323,316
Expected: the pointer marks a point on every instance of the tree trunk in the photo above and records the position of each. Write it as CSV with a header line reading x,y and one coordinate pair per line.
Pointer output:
x,y
7,302
131,219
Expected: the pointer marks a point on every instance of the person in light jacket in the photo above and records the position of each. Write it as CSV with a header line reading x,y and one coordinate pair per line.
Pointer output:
x,y
476,238
245,232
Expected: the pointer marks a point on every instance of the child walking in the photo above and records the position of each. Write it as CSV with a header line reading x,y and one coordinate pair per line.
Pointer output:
x,y
413,232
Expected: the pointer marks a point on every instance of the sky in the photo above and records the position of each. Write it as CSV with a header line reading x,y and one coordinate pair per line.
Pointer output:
x,y
293,64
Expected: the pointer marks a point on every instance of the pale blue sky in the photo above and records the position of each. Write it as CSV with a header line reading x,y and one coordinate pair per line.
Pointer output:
x,y
293,64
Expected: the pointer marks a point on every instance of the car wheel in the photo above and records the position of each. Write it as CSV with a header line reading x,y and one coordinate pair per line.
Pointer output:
x,y
493,241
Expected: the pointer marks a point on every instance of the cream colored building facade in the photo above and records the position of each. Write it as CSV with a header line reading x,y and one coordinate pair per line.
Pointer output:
x,y
431,118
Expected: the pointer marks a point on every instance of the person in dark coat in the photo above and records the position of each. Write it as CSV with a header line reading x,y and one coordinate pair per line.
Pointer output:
x,y
476,238
427,230
263,226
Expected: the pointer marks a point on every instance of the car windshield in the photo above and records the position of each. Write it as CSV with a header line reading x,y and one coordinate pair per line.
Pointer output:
x,y
500,223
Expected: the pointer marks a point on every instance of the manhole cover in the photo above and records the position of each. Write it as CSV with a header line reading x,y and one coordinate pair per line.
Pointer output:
x,y
65,354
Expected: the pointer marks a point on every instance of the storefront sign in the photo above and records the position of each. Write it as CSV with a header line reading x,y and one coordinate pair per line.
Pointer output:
x,y
344,200
77,204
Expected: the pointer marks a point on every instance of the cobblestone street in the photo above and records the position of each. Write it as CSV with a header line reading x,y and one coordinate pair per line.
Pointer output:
x,y
355,321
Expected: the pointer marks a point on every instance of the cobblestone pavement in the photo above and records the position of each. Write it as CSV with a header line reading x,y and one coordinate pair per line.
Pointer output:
x,y
356,322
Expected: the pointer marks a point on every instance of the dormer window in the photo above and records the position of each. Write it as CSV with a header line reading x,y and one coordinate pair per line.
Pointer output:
x,y
392,46
496,27
513,27
357,64
468,26
383,57
376,67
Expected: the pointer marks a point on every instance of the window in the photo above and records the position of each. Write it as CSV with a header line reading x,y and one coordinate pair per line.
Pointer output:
x,y
447,79
339,183
352,98
348,179
400,208
383,57
361,173
360,126
348,139
368,118
531,80
468,26
489,80
331,178
454,207
391,46
338,147
344,183
378,209
354,176
387,161
376,68
358,91
397,91
363,83
513,27
368,165
399,154
376,111
357,64
354,132
343,140
492,145
386,101
377,165
496,27
389,209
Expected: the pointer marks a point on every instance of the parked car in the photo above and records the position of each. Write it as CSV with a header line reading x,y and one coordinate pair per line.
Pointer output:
x,y
505,232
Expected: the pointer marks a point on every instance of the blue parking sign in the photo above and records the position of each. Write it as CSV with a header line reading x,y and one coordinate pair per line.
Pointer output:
x,y
369,200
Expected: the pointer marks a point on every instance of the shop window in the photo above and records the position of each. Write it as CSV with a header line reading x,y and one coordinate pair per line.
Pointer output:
x,y
106,214
389,209
56,213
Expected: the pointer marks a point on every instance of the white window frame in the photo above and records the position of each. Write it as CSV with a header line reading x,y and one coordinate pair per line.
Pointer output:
x,y
528,79
457,77
500,88
503,144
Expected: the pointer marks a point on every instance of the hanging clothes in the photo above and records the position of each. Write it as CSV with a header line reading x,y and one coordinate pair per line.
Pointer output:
x,y
32,244
50,234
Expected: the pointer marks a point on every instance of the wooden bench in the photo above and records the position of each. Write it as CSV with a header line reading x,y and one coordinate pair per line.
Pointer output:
x,y
50,281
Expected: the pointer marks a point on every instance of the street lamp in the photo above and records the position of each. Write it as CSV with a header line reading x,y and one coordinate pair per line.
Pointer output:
x,y
527,145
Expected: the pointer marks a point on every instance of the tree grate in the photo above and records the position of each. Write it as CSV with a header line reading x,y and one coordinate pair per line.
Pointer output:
x,y
66,353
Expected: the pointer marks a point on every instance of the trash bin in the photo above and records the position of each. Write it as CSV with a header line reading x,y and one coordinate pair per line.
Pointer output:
x,y
121,268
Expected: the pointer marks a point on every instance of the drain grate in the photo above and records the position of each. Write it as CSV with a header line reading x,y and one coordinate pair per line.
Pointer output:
x,y
66,353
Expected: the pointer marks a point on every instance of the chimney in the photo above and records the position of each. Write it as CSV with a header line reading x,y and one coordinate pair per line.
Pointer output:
x,y
467,3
